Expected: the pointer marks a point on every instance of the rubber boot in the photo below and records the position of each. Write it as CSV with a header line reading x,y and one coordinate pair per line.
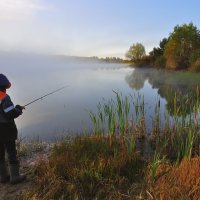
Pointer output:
x,y
15,177
4,176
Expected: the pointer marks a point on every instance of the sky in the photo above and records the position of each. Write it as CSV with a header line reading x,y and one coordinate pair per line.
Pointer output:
x,y
90,27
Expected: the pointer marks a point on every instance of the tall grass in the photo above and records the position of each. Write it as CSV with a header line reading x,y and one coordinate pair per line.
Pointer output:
x,y
87,168
130,145
174,135
117,115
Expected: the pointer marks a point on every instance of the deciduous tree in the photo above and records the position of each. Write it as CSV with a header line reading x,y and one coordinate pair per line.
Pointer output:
x,y
183,42
136,52
157,56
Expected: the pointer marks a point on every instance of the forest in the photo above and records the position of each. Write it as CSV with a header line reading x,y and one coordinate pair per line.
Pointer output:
x,y
179,51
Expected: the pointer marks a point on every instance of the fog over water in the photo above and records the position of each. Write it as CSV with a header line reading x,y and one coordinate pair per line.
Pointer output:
x,y
66,110
88,83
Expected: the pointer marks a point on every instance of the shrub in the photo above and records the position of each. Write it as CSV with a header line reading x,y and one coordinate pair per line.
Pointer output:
x,y
160,62
196,65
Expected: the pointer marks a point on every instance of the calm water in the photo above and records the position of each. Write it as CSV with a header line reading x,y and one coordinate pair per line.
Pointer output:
x,y
67,111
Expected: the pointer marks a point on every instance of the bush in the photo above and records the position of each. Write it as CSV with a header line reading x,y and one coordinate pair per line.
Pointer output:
x,y
196,66
143,62
160,62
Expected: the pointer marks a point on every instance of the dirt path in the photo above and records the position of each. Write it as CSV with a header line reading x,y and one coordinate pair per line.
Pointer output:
x,y
13,192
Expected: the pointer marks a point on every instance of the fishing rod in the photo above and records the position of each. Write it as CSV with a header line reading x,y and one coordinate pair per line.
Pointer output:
x,y
40,98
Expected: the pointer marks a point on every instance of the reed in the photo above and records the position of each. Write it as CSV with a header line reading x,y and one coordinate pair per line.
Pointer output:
x,y
173,135
115,115
93,118
186,130
130,145
154,166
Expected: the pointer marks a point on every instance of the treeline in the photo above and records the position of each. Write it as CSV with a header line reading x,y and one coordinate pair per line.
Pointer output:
x,y
181,50
93,59
109,59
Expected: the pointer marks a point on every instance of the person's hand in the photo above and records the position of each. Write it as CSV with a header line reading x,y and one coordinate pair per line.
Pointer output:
x,y
19,108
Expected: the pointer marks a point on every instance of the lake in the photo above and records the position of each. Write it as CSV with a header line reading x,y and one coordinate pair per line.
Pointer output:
x,y
67,111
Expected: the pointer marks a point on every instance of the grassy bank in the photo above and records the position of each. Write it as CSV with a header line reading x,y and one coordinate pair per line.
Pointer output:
x,y
89,167
111,163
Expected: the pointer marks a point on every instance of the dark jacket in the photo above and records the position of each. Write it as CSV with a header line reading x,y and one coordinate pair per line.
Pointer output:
x,y
8,112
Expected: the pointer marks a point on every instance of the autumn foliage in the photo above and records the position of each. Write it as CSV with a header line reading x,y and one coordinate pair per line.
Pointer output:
x,y
181,50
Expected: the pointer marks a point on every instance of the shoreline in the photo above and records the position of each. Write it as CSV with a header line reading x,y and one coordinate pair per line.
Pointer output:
x,y
148,174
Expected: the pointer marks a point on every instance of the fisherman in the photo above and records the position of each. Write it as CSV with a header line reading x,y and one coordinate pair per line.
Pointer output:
x,y
8,135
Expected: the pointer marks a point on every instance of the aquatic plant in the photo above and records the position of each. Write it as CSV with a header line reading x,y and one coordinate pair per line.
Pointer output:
x,y
118,117
130,145
175,136
154,166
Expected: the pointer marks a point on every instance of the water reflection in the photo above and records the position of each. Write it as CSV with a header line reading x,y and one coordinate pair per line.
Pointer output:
x,y
182,87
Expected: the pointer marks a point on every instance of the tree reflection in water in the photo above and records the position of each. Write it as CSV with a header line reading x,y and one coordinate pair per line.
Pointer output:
x,y
180,89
